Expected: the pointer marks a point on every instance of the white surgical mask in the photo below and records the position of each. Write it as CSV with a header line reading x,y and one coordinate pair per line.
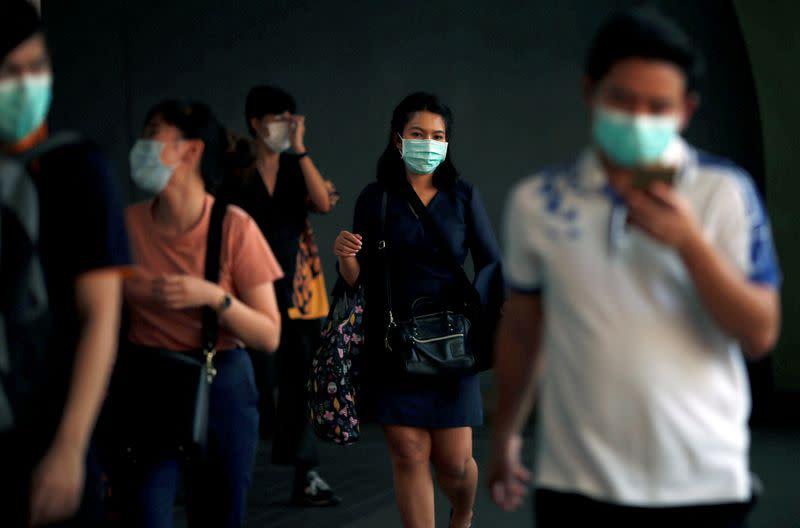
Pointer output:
x,y
422,156
278,138
147,169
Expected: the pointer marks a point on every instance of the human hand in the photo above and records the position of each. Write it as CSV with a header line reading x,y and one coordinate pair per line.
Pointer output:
x,y
664,215
185,291
57,485
297,131
508,478
347,244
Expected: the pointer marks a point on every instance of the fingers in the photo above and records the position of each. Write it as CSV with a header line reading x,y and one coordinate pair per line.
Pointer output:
x,y
663,193
645,210
521,473
508,493
347,244
170,291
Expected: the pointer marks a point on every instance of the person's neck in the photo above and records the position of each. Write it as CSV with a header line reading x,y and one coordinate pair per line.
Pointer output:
x,y
620,179
420,182
26,143
181,205
266,158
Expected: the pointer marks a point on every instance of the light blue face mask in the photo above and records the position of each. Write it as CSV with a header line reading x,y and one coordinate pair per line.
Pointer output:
x,y
422,156
24,103
633,140
147,169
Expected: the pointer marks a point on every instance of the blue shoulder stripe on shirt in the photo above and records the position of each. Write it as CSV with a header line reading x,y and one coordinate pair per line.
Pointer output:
x,y
764,262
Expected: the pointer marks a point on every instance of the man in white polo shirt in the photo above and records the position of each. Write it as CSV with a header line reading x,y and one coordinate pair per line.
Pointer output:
x,y
643,275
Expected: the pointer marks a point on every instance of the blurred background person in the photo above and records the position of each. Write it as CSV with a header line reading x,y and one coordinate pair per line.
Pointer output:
x,y
278,189
644,275
56,354
179,159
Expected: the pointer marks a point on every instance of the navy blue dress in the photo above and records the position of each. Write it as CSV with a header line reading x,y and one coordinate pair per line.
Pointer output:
x,y
418,268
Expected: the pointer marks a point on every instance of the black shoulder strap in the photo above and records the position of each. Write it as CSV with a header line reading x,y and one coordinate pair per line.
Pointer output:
x,y
213,250
432,228
385,258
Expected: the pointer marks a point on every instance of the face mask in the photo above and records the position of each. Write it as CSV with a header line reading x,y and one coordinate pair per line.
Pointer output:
x,y
278,139
422,156
147,170
23,105
632,140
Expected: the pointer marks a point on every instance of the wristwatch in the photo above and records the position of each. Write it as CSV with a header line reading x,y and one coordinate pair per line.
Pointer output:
x,y
224,304
301,155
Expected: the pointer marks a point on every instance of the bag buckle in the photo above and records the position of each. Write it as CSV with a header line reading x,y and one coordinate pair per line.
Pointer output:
x,y
211,370
389,327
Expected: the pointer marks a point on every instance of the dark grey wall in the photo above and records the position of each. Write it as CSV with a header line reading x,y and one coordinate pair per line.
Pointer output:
x,y
509,69
774,46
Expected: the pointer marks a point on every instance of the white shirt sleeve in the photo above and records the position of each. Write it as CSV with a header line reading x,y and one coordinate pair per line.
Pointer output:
x,y
742,231
522,262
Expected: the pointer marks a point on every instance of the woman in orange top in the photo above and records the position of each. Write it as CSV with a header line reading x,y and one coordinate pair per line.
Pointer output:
x,y
179,158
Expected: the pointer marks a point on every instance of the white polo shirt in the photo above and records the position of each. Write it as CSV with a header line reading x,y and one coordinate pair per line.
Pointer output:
x,y
644,398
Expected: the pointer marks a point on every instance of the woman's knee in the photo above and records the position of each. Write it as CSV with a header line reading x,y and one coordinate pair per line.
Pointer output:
x,y
409,451
452,466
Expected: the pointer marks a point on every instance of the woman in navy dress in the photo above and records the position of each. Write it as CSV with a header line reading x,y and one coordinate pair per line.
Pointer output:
x,y
424,420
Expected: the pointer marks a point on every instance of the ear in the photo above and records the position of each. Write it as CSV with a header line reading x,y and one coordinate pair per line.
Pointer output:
x,y
255,124
194,152
690,106
398,143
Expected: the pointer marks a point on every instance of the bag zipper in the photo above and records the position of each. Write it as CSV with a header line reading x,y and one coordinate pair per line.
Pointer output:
x,y
434,339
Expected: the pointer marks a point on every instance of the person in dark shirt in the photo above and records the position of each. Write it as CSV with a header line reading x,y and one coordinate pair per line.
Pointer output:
x,y
425,420
278,189
45,476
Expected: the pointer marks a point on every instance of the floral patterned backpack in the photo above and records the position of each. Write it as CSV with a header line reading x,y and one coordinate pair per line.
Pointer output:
x,y
332,384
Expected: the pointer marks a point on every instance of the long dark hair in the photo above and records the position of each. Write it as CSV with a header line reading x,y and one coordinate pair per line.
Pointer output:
x,y
195,120
391,169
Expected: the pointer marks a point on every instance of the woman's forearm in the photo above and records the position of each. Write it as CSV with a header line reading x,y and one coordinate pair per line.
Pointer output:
x,y
99,297
317,190
349,269
255,319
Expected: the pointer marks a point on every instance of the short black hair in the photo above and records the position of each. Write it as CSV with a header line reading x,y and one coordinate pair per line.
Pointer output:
x,y
646,33
391,169
20,21
263,100
195,120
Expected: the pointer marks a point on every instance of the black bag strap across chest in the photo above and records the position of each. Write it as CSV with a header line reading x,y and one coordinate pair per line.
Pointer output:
x,y
434,231
210,328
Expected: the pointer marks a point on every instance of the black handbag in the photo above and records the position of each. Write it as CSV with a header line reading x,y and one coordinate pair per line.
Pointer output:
x,y
158,398
435,341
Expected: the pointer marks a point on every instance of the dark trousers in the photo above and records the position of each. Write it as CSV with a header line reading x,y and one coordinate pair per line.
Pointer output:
x,y
286,419
216,489
556,509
